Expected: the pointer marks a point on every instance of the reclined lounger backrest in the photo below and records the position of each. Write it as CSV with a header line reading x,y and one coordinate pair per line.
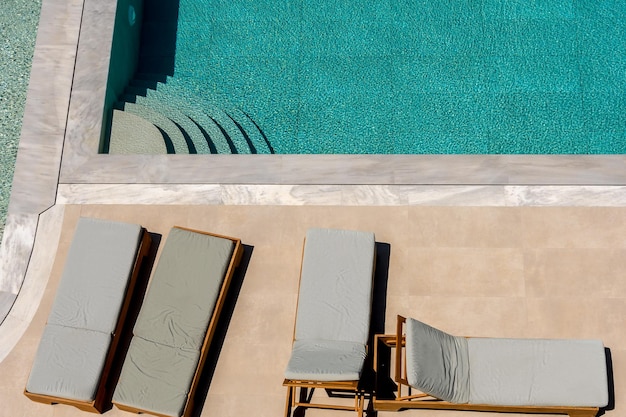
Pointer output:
x,y
76,349
506,372
176,322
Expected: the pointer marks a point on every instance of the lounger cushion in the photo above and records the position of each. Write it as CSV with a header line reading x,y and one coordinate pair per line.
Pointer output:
x,y
69,363
96,274
172,324
538,372
156,377
182,293
324,360
336,286
437,363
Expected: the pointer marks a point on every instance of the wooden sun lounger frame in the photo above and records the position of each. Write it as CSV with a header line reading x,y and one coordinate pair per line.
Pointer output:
x,y
235,260
293,385
425,401
303,386
104,392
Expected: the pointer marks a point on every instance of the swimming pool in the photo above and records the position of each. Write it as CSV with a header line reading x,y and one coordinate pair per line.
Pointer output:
x,y
411,77
18,29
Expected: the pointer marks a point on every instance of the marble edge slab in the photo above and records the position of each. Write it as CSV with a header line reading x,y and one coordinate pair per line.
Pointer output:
x,y
41,141
348,169
343,195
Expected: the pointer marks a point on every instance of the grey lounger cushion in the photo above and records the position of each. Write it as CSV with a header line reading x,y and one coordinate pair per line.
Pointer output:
x,y
172,323
335,296
506,372
334,305
96,274
86,309
437,363
69,363
538,372
181,298
156,377
326,360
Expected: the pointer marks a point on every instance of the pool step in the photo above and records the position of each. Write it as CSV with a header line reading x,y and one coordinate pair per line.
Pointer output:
x,y
174,139
146,137
188,124
193,135
253,132
198,128
223,132
239,126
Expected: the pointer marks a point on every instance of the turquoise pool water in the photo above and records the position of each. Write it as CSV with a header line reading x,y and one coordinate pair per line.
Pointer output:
x,y
413,76
18,29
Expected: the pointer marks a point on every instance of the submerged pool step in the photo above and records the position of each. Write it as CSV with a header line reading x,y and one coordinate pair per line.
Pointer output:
x,y
224,137
203,131
237,126
137,92
253,132
173,137
190,124
195,138
233,137
146,137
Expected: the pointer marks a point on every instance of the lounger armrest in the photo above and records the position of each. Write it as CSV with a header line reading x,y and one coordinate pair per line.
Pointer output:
x,y
400,376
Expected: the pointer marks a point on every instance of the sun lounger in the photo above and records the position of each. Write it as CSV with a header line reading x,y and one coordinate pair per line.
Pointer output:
x,y
176,323
84,327
546,376
333,316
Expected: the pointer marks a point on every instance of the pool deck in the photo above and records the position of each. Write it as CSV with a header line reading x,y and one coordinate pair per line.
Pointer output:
x,y
518,246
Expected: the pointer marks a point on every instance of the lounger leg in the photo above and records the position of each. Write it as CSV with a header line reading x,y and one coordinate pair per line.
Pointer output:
x,y
361,406
289,401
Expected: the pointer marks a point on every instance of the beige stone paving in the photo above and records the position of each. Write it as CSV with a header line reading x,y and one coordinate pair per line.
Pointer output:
x,y
510,272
